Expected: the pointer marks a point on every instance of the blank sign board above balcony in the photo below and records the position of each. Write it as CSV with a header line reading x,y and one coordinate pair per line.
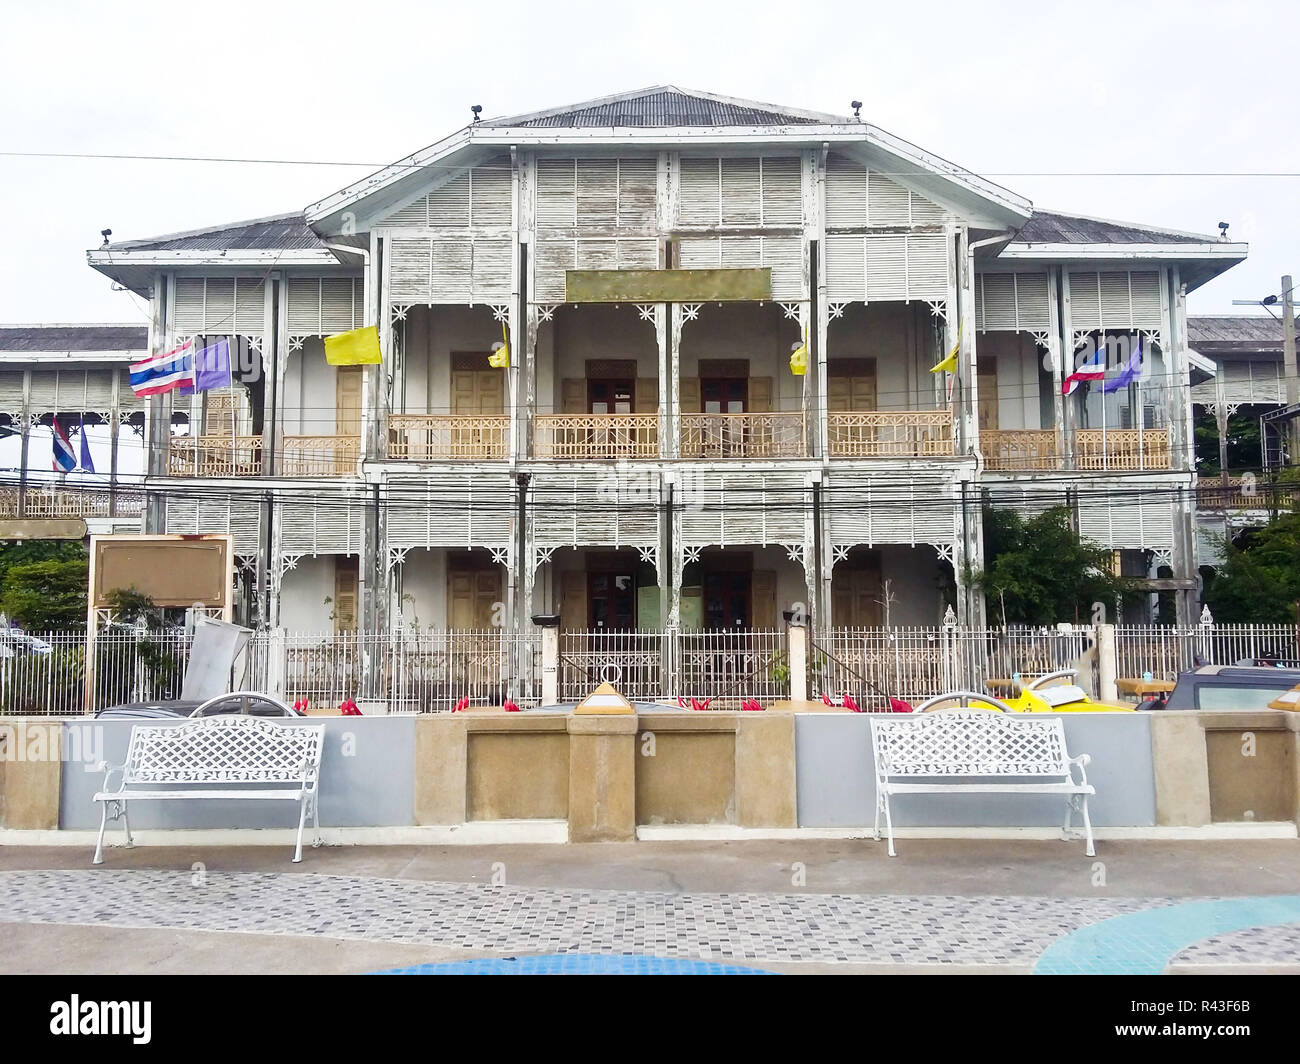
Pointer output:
x,y
668,286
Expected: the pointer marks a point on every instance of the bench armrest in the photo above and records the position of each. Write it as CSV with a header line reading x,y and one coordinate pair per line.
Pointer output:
x,y
108,773
1083,761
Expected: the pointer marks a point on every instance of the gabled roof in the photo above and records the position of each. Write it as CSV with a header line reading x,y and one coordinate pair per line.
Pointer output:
x,y
73,340
281,231
666,105
1236,334
1050,227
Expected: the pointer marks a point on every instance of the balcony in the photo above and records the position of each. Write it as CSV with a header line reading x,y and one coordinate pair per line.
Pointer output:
x,y
890,434
439,437
40,502
319,456
779,435
1122,449
596,436
1010,450
1115,450
215,456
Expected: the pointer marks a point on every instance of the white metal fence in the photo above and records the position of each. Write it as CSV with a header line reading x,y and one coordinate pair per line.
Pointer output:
x,y
429,671
1165,651
46,673
913,664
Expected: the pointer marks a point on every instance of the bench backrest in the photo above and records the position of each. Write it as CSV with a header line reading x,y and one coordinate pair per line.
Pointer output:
x,y
225,749
969,742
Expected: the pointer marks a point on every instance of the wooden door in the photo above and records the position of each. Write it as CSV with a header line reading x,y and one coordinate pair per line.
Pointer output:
x,y
760,394
346,592
473,595
347,400
986,383
478,391
647,395
689,395
856,591
573,600
573,395
764,599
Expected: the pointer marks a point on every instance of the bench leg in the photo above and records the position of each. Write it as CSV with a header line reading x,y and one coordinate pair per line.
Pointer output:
x,y
1069,816
875,830
99,843
302,820
315,821
1091,851
889,825
130,842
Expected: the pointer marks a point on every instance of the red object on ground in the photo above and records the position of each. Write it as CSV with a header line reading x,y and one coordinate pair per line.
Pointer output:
x,y
827,699
897,705
348,708
460,706
751,705
695,704
510,707
850,704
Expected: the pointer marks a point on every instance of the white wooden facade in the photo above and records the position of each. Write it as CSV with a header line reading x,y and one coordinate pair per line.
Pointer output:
x,y
882,258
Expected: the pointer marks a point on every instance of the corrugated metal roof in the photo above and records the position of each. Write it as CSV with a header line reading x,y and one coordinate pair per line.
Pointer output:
x,y
63,338
1239,333
1048,227
665,106
289,232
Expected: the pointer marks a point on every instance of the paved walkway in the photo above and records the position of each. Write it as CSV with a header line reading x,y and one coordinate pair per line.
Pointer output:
x,y
375,910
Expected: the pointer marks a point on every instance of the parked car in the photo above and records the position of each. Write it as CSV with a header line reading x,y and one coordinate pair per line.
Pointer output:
x,y
16,644
1227,687
249,703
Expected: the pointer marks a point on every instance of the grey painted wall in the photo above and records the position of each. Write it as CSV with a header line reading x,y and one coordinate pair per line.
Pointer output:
x,y
370,787
836,778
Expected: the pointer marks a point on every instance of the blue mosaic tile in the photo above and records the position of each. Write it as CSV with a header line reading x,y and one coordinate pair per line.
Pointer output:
x,y
576,964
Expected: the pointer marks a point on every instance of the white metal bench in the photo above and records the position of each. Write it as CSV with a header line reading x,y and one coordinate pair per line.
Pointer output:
x,y
977,751
226,757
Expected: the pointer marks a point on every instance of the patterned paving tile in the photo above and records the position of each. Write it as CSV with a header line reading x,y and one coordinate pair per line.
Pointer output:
x,y
745,927
1253,945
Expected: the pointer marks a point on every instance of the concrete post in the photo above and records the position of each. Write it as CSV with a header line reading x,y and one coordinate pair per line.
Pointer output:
x,y
1107,664
797,641
276,659
551,665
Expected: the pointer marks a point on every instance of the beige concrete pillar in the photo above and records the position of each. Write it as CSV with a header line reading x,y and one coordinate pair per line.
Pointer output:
x,y
602,778
797,641
765,771
441,766
31,774
1182,770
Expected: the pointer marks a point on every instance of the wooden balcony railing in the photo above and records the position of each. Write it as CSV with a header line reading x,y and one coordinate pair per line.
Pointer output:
x,y
435,437
779,435
319,456
215,456
592,436
71,502
890,434
1213,493
1009,450
1122,449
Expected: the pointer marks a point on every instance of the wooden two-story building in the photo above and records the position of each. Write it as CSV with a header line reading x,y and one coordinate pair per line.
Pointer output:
x,y
649,458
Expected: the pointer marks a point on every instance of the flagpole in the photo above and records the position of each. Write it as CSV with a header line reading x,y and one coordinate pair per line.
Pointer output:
x,y
234,406
1141,413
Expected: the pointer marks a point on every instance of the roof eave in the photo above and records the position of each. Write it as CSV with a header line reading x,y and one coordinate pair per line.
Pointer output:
x,y
1212,250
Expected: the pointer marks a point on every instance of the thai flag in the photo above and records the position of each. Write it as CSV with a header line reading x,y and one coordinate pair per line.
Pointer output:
x,y
1093,369
162,373
65,458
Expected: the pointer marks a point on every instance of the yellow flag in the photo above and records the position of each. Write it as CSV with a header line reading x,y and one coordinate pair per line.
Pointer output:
x,y
799,360
360,347
949,364
500,357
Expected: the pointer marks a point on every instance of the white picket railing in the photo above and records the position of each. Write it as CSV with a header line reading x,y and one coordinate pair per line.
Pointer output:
x,y
1165,650
728,666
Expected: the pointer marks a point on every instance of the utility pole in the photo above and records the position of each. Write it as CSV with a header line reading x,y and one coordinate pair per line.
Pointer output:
x,y
1290,368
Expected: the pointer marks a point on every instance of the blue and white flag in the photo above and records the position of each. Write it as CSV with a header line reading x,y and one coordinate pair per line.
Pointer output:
x,y
86,462
1128,374
161,373
65,459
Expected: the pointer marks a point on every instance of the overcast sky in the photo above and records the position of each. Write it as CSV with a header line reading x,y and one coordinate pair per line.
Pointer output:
x,y
1015,91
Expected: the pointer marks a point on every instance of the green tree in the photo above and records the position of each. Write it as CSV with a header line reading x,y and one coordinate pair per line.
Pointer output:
x,y
1259,580
23,552
46,595
1037,570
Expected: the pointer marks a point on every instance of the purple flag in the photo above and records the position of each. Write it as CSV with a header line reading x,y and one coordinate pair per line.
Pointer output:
x,y
212,367
1127,374
86,463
